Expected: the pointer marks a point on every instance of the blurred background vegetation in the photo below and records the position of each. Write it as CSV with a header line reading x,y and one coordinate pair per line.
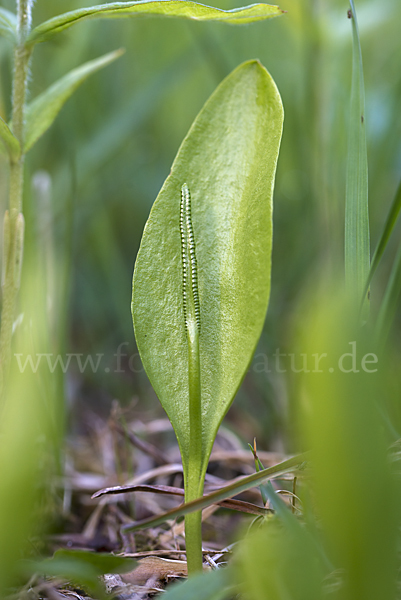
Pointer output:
x,y
92,179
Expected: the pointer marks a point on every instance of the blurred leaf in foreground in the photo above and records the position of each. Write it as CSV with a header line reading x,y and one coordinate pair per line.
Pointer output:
x,y
212,585
343,405
82,567
282,559
27,459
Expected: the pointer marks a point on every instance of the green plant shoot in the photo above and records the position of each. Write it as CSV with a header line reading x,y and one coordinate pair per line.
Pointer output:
x,y
202,276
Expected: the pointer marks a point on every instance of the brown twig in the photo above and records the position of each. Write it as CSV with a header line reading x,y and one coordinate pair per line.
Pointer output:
x,y
232,504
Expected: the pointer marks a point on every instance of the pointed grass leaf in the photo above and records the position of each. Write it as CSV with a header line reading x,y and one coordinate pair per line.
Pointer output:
x,y
357,250
294,464
391,220
42,111
8,24
390,302
10,142
167,8
227,164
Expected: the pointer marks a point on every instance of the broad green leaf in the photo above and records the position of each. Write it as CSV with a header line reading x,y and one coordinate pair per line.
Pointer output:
x,y
8,24
357,251
246,483
228,161
211,585
9,140
168,8
44,109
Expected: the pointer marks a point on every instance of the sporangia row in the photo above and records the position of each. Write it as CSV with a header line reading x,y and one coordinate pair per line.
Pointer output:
x,y
189,267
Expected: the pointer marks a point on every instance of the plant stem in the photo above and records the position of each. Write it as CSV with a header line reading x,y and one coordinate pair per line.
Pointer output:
x,y
193,472
14,222
194,479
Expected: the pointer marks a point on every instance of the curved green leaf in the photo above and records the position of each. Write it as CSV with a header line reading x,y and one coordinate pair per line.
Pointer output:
x,y
8,24
9,140
44,109
228,160
168,8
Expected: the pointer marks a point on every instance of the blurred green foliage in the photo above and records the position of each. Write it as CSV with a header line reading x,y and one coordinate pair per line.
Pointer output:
x,y
345,544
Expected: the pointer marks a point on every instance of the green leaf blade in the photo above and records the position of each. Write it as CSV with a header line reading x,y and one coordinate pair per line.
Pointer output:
x,y
357,244
228,160
44,109
8,24
169,8
9,140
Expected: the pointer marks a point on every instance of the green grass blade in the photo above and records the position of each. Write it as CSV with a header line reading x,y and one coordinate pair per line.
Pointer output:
x,y
357,252
228,491
387,231
259,467
167,8
44,109
390,304
281,560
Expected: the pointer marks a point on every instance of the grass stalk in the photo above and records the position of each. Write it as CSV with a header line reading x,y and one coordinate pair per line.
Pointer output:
x,y
357,245
14,221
